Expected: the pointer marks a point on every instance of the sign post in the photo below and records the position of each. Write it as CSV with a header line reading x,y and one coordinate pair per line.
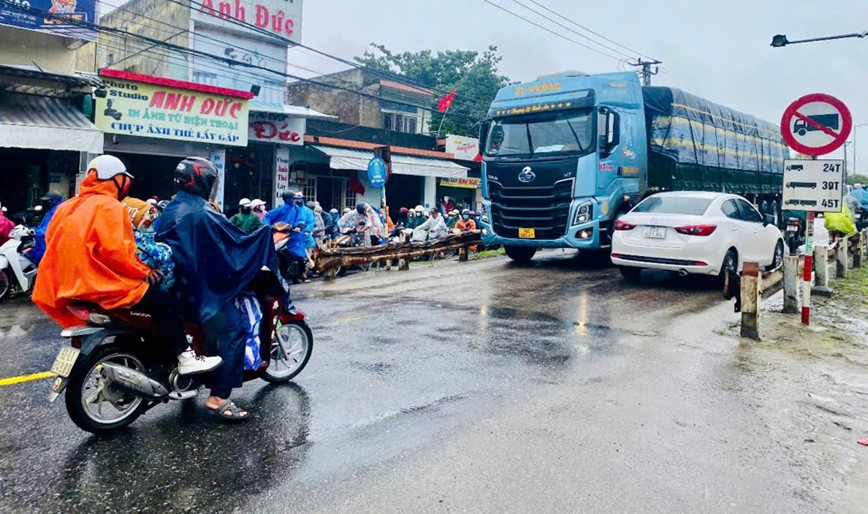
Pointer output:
x,y
814,125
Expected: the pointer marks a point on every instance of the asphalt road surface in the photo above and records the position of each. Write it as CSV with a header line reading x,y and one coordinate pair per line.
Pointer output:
x,y
479,387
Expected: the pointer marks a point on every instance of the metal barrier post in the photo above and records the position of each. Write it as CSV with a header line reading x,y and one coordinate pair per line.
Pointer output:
x,y
809,266
791,284
750,301
821,271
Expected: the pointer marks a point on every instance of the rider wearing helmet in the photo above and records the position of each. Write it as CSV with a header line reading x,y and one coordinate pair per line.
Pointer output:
x,y
245,219
91,257
49,203
214,262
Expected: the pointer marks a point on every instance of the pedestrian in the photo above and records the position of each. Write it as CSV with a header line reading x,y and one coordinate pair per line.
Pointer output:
x,y
446,206
245,219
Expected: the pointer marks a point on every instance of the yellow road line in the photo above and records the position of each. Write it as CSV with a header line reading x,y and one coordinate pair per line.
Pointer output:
x,y
25,378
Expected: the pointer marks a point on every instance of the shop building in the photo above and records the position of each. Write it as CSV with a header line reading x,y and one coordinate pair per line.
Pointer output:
x,y
151,123
46,136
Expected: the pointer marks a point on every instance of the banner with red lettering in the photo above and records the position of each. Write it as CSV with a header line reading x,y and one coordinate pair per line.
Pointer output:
x,y
276,127
254,18
150,110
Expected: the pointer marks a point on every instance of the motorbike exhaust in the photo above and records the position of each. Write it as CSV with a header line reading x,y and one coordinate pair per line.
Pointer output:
x,y
132,381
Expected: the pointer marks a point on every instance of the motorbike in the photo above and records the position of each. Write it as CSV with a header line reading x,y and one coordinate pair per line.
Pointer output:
x,y
292,266
116,366
793,235
17,270
349,238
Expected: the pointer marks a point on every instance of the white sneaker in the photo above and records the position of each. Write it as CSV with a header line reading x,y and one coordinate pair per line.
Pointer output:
x,y
190,364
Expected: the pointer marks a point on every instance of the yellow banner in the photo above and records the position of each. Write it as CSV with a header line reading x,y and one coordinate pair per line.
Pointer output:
x,y
146,110
466,183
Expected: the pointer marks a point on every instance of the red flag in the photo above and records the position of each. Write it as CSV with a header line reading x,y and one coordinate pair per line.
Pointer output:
x,y
446,101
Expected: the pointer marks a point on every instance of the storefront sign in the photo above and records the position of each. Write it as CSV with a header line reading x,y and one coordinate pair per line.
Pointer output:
x,y
282,18
159,111
464,148
30,14
277,128
466,183
281,172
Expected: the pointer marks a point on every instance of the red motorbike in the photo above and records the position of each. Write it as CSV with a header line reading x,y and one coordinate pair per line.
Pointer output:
x,y
116,366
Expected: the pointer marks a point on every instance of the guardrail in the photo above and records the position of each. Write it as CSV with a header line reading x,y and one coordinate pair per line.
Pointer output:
x,y
754,285
329,260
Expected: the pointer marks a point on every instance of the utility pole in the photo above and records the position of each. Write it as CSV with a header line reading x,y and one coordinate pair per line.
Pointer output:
x,y
646,69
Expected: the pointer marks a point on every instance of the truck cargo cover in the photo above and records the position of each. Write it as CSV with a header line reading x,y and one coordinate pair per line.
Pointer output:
x,y
692,130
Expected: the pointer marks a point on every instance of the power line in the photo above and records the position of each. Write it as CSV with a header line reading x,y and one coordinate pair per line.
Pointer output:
x,y
559,24
460,112
550,31
589,30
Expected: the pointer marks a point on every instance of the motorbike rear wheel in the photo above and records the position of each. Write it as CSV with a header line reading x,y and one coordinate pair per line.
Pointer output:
x,y
297,340
88,394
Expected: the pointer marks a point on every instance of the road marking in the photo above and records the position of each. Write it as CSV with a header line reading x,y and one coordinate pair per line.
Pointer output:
x,y
25,378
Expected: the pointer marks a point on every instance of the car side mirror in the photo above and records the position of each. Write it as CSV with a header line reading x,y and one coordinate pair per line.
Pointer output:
x,y
483,135
608,130
768,219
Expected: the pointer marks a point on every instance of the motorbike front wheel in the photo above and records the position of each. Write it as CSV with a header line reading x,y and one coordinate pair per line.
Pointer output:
x,y
291,347
93,404
5,284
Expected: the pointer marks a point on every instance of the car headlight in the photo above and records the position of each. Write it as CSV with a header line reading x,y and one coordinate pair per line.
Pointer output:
x,y
584,213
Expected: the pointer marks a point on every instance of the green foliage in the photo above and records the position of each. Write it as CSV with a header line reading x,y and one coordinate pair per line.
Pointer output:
x,y
473,75
862,179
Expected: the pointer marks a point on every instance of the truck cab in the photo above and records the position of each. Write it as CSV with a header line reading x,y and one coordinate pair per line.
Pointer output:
x,y
562,158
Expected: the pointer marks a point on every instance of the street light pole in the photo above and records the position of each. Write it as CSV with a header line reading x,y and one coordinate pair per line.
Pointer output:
x,y
780,40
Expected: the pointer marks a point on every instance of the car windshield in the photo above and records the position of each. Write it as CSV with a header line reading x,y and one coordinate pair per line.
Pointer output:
x,y
549,133
674,205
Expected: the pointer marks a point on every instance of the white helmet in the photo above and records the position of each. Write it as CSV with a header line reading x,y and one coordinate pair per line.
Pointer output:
x,y
245,202
108,167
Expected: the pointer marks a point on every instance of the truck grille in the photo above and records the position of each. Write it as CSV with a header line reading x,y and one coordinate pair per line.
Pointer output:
x,y
545,209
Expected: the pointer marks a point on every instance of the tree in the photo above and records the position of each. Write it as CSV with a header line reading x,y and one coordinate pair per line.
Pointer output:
x,y
472,75
856,178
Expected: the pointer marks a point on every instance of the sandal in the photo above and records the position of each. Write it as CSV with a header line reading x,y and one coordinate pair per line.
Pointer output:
x,y
229,405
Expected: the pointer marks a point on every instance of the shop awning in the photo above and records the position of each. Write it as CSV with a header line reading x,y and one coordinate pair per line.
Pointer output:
x,y
45,123
291,110
348,159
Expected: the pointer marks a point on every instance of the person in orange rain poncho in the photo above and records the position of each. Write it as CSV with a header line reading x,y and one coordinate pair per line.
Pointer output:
x,y
91,257
466,224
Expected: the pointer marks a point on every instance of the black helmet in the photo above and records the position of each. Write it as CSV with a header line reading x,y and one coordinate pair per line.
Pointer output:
x,y
288,197
196,175
362,208
52,196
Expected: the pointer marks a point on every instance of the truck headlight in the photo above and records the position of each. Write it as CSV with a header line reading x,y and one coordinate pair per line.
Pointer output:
x,y
584,213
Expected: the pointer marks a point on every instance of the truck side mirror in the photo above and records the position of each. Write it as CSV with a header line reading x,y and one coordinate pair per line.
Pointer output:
x,y
483,135
609,130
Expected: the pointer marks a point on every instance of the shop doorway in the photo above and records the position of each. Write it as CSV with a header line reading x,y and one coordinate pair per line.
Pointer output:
x,y
331,192
154,174
249,174
404,191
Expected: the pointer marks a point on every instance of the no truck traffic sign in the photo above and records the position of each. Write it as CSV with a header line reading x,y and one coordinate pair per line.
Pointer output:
x,y
816,124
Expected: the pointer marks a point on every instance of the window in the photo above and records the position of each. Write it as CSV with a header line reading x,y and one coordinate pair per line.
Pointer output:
x,y
748,212
110,59
349,196
548,133
674,205
730,210
400,122
308,189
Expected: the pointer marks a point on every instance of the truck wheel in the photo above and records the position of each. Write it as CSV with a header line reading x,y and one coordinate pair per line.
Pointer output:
x,y
520,253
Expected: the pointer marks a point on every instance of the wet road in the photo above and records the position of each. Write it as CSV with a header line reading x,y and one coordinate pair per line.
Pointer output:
x,y
484,387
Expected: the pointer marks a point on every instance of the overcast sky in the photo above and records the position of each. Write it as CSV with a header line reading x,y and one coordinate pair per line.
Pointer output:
x,y
718,50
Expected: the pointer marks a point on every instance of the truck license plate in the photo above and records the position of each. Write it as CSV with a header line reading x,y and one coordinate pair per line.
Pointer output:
x,y
65,361
655,232
526,233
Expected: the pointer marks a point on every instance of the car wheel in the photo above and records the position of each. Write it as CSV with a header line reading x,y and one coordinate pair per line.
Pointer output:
x,y
778,257
730,263
630,273
521,254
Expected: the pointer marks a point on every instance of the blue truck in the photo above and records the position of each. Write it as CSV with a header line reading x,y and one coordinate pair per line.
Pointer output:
x,y
565,156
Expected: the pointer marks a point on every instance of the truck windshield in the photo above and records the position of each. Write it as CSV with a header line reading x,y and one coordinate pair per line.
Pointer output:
x,y
548,133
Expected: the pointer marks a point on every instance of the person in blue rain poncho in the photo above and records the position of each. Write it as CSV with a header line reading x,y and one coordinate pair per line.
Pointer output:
x,y
49,203
214,263
292,214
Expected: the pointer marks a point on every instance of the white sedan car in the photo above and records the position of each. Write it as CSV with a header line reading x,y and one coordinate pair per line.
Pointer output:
x,y
694,233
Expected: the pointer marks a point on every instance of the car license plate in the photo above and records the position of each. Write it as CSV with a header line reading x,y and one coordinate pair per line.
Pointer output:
x,y
65,361
655,232
526,233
